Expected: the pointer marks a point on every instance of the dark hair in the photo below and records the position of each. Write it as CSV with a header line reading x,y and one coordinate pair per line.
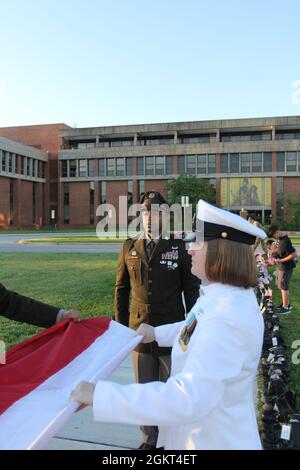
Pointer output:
x,y
269,242
272,230
231,263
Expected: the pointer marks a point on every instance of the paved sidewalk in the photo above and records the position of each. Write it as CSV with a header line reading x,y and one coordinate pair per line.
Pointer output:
x,y
81,432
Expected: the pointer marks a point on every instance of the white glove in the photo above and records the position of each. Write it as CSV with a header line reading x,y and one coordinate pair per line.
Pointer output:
x,y
147,331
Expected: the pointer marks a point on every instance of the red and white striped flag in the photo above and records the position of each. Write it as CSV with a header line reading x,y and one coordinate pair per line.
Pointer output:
x,y
39,375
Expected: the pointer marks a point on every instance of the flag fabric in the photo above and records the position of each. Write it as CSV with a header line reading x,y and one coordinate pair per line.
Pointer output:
x,y
40,374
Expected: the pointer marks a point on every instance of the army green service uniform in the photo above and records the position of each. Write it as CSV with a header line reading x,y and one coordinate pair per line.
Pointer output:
x,y
156,285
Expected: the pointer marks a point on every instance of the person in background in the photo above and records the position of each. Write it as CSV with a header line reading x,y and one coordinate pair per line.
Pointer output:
x,y
156,270
208,401
26,310
285,260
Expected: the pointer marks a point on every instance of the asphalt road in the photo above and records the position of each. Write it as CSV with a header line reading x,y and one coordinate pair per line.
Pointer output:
x,y
9,244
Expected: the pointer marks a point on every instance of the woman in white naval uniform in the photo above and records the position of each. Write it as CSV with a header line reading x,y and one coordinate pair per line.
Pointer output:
x,y
208,402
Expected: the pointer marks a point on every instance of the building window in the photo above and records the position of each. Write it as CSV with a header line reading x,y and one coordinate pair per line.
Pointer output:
x,y
34,188
35,168
11,202
128,166
267,158
29,167
280,161
110,167
256,163
102,167
140,166
181,164
130,192
149,165
160,165
211,164
73,168
22,169
246,163
224,163
90,167
291,161
120,167
92,202
4,160
10,162
64,168
102,192
246,136
202,164
141,188
121,143
234,162
287,135
66,203
197,138
191,164
83,168
161,140
169,165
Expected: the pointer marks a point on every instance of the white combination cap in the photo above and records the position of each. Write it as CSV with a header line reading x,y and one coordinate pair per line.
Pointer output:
x,y
213,222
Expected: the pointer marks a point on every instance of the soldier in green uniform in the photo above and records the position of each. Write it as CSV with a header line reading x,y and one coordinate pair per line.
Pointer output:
x,y
156,272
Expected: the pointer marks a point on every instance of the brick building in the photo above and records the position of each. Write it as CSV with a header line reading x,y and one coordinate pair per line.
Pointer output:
x,y
252,163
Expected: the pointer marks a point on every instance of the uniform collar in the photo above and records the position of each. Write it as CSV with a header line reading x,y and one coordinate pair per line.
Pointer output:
x,y
217,289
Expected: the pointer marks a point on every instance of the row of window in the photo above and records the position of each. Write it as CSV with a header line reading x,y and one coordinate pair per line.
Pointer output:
x,y
242,137
197,164
288,161
204,164
155,166
19,165
256,162
187,139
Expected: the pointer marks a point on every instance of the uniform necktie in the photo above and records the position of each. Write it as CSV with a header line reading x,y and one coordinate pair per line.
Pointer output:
x,y
150,248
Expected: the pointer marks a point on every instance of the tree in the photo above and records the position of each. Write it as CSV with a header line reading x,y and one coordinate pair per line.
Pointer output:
x,y
292,211
191,186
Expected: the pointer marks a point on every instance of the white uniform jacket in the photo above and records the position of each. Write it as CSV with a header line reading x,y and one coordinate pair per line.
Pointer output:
x,y
208,402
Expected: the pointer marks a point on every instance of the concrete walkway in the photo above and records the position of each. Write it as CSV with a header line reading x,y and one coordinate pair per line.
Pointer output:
x,y
81,432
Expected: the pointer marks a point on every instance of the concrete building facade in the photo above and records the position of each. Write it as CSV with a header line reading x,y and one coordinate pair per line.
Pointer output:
x,y
251,163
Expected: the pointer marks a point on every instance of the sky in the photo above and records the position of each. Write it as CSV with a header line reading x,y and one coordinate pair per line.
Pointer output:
x,y
112,62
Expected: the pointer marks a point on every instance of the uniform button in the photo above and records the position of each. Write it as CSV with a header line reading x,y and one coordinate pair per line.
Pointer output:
x,y
149,293
150,281
150,269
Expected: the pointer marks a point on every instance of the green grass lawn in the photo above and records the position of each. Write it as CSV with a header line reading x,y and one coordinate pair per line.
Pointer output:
x,y
86,282
81,281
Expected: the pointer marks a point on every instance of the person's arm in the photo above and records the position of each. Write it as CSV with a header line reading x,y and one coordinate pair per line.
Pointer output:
x,y
122,290
190,283
165,335
23,309
185,397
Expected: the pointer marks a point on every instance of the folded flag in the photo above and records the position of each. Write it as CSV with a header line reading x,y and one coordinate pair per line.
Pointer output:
x,y
40,374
